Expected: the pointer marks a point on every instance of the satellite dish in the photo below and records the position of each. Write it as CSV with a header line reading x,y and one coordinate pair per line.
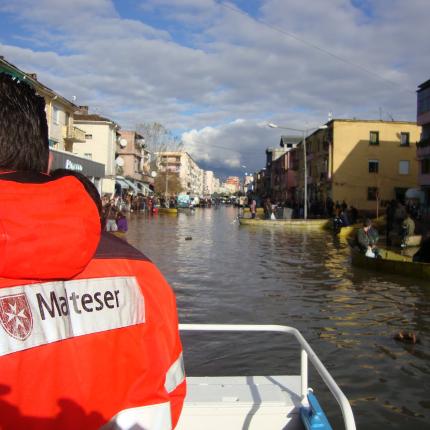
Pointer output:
x,y
119,162
153,173
123,143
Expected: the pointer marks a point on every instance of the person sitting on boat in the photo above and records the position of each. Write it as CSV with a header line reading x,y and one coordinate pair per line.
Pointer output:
x,y
366,239
408,228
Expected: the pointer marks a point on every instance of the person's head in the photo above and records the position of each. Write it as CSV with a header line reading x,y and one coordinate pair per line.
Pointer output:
x,y
24,142
367,223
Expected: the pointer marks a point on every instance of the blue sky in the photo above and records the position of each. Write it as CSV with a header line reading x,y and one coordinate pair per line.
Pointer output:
x,y
214,72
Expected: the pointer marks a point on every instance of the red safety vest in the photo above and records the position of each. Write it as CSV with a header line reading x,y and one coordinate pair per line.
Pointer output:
x,y
88,326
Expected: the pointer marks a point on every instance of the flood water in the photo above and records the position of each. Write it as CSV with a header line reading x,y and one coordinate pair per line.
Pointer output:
x,y
240,274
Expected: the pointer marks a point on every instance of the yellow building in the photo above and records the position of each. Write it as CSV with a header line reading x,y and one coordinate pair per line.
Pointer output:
x,y
364,162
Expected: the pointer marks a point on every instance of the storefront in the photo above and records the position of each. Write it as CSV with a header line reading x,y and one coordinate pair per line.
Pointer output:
x,y
131,186
91,169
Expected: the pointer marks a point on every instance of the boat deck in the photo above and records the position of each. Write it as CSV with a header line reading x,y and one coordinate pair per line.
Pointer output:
x,y
260,402
242,402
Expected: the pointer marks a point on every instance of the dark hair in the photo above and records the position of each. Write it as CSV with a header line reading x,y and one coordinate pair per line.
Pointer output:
x,y
367,222
24,142
88,185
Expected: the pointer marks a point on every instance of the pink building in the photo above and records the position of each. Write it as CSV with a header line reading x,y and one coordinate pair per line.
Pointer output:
x,y
134,160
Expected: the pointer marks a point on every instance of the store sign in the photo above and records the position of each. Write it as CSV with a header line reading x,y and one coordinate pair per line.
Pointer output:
x,y
66,160
70,165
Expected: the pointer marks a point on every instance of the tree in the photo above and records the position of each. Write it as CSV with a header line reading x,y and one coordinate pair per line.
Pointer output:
x,y
169,182
158,139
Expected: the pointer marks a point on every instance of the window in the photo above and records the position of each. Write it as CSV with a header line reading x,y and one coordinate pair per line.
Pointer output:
x,y
55,115
374,138
372,193
373,166
404,139
425,166
88,136
403,167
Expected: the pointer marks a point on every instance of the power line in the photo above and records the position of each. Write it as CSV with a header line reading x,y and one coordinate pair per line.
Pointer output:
x,y
313,45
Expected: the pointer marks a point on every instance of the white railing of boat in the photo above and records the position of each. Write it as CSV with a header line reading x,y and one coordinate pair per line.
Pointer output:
x,y
306,353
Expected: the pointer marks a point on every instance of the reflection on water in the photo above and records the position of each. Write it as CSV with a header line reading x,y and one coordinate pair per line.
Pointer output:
x,y
241,274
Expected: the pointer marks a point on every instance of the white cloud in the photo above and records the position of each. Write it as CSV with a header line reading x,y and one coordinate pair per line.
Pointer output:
x,y
226,66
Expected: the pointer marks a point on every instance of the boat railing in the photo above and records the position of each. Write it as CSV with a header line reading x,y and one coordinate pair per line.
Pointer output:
x,y
307,353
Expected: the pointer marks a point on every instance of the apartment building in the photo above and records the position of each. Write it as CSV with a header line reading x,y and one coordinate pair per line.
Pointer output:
x,y
232,183
100,144
364,162
281,166
133,161
182,164
208,183
423,146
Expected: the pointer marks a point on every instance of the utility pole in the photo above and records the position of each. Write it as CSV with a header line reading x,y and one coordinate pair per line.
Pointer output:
x,y
305,203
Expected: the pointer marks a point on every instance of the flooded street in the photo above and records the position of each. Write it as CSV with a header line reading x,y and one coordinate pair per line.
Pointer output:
x,y
241,274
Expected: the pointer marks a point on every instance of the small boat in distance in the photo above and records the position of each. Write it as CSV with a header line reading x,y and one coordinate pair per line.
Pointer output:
x,y
319,224
171,211
259,402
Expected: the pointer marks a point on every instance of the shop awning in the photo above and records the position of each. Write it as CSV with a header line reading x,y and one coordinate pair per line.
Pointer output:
x,y
132,186
122,183
146,190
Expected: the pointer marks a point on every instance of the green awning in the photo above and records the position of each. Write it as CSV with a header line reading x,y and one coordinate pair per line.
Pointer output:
x,y
15,73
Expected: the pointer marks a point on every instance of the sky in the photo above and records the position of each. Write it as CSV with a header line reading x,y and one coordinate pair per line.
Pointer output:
x,y
216,72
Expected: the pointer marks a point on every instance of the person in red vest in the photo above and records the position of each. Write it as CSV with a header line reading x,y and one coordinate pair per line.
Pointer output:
x,y
88,325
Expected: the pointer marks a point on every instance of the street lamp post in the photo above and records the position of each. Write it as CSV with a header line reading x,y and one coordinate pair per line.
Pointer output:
x,y
166,179
305,164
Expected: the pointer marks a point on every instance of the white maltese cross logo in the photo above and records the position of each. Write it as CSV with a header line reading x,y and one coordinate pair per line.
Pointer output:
x,y
15,316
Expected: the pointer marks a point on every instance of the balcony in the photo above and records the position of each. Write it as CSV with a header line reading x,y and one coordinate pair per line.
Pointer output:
x,y
73,134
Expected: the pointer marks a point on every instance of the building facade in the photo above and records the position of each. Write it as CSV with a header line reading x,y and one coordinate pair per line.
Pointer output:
x,y
232,183
283,178
423,145
208,183
182,164
133,160
100,145
364,163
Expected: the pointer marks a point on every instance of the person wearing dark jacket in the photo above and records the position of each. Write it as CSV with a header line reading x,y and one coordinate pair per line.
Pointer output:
x,y
367,237
89,331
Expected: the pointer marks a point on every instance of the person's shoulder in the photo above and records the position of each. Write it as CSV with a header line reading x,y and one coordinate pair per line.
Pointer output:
x,y
112,247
